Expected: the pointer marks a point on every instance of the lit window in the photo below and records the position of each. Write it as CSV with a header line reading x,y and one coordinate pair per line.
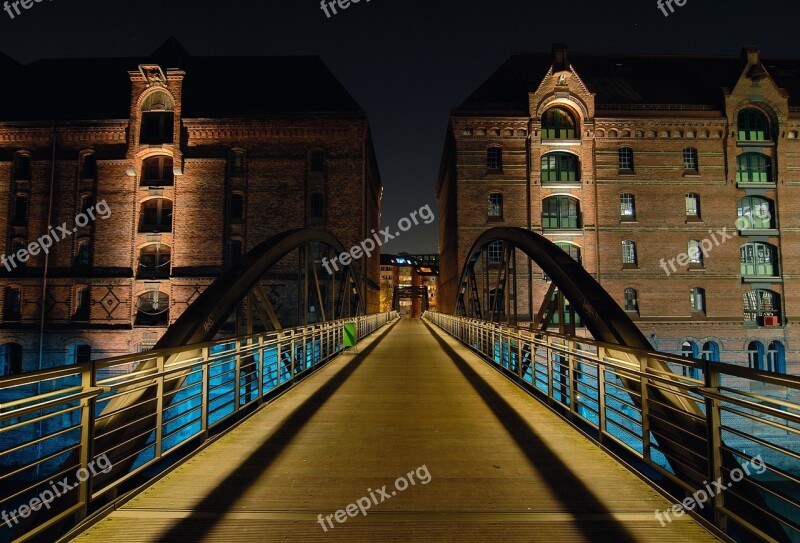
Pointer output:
x,y
753,168
560,167
560,212
627,206
156,216
759,259
628,252
695,253
752,126
154,261
692,205
698,300
757,211
762,307
558,124
495,205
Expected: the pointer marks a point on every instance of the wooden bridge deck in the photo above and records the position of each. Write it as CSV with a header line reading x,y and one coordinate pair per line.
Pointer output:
x,y
499,465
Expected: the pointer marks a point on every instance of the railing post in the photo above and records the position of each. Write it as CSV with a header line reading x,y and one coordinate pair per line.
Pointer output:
x,y
160,363
549,361
88,380
206,362
601,394
260,369
237,366
571,377
713,420
644,380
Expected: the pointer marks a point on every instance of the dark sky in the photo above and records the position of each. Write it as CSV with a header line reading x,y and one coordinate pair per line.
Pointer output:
x,y
407,62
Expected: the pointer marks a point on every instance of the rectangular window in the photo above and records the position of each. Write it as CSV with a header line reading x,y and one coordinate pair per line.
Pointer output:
x,y
631,301
698,300
690,159
496,205
628,252
626,206
494,158
12,304
692,205
626,159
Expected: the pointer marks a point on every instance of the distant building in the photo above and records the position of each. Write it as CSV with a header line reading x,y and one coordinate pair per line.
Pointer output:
x,y
634,165
409,283
197,160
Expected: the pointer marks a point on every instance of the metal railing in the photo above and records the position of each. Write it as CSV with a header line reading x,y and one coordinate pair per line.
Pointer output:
x,y
79,433
610,393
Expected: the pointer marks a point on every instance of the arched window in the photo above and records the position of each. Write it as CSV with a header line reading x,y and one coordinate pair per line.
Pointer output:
x,y
698,300
156,215
752,126
690,160
627,206
157,119
10,358
631,299
495,205
776,357
12,304
317,206
89,166
82,304
560,167
753,168
83,255
561,212
759,259
154,261
625,159
695,253
22,167
629,257
692,201
689,350
571,249
755,355
80,353
710,351
762,307
494,158
559,124
757,213
152,309
157,172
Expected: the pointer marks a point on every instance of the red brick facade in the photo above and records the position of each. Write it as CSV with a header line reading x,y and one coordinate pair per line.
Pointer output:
x,y
661,108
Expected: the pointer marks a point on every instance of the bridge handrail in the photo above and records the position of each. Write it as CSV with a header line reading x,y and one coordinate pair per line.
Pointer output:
x,y
220,378
579,378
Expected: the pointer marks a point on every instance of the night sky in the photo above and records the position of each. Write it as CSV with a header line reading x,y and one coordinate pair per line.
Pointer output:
x,y
407,63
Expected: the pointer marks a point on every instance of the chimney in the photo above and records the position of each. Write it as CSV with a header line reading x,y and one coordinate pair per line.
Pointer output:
x,y
750,54
560,60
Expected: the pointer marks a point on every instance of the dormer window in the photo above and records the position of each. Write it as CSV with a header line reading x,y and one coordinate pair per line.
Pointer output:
x,y
157,119
753,126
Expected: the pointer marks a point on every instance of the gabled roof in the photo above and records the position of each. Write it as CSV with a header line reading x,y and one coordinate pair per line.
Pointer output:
x,y
627,80
99,88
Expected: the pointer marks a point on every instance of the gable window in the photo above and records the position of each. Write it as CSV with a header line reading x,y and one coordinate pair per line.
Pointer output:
x,y
759,259
753,168
627,206
698,300
157,120
752,126
560,167
152,309
560,212
762,307
625,156
495,210
82,304
154,261
757,212
558,124
12,304
628,253
22,167
494,158
631,299
10,358
692,200
157,172
89,166
156,216
690,160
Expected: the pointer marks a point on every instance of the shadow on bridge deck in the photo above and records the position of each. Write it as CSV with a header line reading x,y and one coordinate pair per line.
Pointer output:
x,y
502,467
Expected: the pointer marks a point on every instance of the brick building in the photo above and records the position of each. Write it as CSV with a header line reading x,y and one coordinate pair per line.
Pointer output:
x,y
405,279
634,165
197,159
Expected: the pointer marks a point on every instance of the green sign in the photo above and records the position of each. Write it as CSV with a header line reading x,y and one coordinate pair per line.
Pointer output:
x,y
350,336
